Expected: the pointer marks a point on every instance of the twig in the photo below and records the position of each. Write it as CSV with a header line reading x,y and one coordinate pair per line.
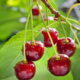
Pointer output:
x,y
57,15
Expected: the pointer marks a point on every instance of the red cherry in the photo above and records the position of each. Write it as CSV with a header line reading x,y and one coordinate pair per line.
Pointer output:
x,y
25,70
34,51
54,35
66,46
59,65
35,11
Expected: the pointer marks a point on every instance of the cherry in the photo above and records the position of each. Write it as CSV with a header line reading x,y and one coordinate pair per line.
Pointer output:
x,y
34,51
66,46
54,35
59,65
36,11
25,70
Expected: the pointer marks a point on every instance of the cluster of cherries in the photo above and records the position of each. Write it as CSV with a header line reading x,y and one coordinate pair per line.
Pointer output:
x,y
58,65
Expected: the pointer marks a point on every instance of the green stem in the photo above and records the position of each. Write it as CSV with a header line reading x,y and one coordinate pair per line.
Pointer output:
x,y
25,37
41,14
73,32
47,15
52,43
26,32
63,29
33,39
48,33
67,19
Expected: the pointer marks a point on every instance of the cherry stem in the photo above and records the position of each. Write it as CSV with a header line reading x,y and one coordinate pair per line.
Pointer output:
x,y
25,37
40,14
40,31
63,29
73,32
57,15
33,39
48,32
46,26
42,18
52,42
47,15
25,32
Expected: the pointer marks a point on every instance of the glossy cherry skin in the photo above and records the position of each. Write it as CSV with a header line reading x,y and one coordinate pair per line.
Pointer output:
x,y
59,67
35,11
34,51
66,46
54,35
25,70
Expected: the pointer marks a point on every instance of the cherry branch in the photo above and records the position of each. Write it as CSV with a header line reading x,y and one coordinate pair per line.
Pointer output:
x,y
57,15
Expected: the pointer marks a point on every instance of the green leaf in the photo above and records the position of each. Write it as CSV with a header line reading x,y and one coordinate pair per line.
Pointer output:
x,y
76,65
8,14
9,22
10,78
8,28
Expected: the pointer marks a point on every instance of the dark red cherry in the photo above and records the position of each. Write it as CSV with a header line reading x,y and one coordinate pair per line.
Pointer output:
x,y
54,35
34,51
25,70
59,65
35,11
66,46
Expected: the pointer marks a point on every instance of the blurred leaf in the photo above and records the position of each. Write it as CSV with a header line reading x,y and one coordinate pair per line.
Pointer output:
x,y
59,2
9,22
8,28
3,2
53,4
10,78
8,14
76,65
13,2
